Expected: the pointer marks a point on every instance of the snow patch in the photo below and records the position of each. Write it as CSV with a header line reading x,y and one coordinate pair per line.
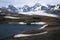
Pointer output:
x,y
22,23
11,17
38,23
43,26
25,35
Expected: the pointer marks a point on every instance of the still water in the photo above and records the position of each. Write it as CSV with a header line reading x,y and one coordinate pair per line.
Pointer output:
x,y
9,29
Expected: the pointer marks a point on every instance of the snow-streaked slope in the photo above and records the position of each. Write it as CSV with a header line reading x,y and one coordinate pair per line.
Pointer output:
x,y
41,13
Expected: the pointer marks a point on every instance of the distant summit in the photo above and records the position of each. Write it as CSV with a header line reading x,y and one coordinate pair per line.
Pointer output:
x,y
27,8
35,7
12,8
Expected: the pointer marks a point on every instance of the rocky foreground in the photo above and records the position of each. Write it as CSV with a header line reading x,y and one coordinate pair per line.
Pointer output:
x,y
52,32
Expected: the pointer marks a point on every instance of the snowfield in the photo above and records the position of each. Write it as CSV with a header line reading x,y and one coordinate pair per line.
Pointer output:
x,y
41,13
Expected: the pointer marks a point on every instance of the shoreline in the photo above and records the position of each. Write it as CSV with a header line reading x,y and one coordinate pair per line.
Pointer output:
x,y
51,35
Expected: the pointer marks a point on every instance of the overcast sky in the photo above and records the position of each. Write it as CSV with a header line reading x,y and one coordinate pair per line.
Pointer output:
x,y
19,3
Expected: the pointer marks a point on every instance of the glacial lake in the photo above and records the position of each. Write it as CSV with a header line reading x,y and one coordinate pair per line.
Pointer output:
x,y
10,29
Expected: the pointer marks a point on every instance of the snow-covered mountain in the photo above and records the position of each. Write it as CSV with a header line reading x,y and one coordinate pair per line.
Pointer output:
x,y
27,8
41,10
35,7
12,8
